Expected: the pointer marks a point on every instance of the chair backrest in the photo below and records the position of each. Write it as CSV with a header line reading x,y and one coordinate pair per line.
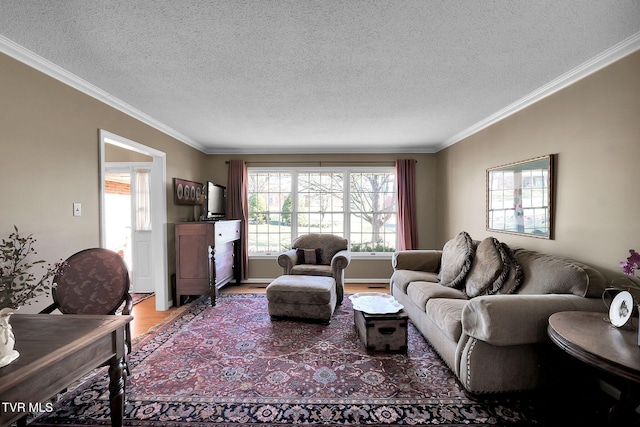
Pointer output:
x,y
329,243
95,281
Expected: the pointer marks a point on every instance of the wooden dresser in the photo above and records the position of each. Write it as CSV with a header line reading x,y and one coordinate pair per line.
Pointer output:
x,y
207,257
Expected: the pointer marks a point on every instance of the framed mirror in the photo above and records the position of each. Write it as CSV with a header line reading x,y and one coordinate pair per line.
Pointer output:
x,y
520,197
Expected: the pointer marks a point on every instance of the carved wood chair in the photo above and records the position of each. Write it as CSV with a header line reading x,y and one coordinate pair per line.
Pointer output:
x,y
94,281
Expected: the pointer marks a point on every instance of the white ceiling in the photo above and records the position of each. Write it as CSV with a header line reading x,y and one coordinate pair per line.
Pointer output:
x,y
296,76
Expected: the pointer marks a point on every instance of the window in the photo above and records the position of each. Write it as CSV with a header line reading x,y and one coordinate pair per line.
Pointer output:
x,y
357,203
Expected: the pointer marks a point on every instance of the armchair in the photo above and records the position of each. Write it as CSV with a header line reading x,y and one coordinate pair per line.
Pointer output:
x,y
330,256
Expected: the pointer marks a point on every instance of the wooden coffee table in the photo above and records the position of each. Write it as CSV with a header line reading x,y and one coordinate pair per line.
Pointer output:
x,y
590,338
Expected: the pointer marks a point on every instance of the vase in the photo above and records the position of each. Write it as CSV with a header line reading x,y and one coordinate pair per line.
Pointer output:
x,y
7,339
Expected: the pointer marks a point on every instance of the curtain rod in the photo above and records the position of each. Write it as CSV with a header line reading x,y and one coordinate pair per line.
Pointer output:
x,y
321,162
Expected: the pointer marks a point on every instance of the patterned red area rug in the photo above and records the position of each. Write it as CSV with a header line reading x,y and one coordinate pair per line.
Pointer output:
x,y
230,364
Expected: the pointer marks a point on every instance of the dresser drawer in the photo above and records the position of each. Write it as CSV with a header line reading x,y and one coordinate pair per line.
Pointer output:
x,y
227,231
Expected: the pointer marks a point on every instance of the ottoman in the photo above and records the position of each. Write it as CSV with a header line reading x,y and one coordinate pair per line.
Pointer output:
x,y
303,297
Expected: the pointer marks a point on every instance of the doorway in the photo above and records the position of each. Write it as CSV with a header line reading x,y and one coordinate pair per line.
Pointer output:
x,y
141,237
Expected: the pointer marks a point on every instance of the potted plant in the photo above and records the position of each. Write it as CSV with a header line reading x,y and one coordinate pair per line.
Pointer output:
x,y
19,284
629,267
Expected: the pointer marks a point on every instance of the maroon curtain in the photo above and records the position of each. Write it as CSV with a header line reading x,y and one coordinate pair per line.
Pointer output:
x,y
238,208
407,233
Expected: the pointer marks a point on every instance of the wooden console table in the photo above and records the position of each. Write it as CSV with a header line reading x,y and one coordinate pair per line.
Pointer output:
x,y
56,350
588,337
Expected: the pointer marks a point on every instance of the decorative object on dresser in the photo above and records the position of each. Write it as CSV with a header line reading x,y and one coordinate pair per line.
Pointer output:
x,y
207,257
187,192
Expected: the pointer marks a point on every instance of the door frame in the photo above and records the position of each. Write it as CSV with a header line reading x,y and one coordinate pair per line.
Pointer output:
x,y
158,215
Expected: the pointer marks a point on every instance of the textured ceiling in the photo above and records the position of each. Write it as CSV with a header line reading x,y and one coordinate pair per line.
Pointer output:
x,y
280,76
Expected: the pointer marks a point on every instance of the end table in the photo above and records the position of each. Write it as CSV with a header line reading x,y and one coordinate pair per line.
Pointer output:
x,y
590,338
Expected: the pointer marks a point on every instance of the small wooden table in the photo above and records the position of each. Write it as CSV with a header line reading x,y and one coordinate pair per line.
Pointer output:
x,y
56,350
589,337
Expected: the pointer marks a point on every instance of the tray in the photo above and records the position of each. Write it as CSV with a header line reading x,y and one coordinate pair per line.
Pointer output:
x,y
375,303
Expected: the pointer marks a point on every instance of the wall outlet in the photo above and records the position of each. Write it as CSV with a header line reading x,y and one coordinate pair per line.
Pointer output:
x,y
77,209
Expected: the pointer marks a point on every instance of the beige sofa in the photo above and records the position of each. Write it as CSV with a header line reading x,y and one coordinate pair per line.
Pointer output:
x,y
484,307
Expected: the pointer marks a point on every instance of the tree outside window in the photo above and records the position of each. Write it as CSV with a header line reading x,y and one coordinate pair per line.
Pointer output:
x,y
284,204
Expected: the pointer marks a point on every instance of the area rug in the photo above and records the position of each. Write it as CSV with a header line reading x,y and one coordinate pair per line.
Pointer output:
x,y
230,364
137,297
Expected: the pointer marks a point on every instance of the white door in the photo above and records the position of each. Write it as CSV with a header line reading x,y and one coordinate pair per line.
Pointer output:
x,y
128,223
142,230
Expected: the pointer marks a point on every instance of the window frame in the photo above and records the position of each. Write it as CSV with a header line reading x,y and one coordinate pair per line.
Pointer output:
x,y
346,171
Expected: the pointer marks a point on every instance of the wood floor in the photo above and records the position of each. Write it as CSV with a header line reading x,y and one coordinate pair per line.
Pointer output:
x,y
146,317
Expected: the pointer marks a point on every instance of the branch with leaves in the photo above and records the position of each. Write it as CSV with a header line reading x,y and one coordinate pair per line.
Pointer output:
x,y
19,285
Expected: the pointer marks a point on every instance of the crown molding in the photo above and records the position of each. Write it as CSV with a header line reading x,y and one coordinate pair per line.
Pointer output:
x,y
609,56
47,67
616,52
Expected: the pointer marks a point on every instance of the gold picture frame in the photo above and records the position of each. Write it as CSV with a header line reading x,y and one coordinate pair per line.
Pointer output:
x,y
520,197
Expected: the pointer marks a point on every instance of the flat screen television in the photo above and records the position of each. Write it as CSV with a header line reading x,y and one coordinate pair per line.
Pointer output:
x,y
215,201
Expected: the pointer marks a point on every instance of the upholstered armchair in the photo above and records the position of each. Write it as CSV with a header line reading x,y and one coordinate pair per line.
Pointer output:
x,y
318,255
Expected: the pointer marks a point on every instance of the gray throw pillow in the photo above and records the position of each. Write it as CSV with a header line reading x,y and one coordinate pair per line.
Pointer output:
x,y
455,263
516,274
309,256
489,269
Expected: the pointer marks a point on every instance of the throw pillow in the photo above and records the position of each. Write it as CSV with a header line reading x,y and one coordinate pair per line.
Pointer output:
x,y
489,269
309,256
455,263
516,274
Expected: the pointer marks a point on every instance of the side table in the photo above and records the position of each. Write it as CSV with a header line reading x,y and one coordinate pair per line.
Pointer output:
x,y
590,338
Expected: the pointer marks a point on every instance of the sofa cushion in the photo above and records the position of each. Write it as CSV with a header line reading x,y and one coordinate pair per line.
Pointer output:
x,y
457,256
421,292
446,314
551,274
417,259
311,270
401,278
489,269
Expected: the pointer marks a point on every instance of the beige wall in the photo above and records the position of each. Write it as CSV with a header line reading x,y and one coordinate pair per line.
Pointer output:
x,y
49,159
594,128
359,269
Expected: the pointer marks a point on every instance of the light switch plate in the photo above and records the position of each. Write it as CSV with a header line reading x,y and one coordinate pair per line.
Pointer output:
x,y
77,209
